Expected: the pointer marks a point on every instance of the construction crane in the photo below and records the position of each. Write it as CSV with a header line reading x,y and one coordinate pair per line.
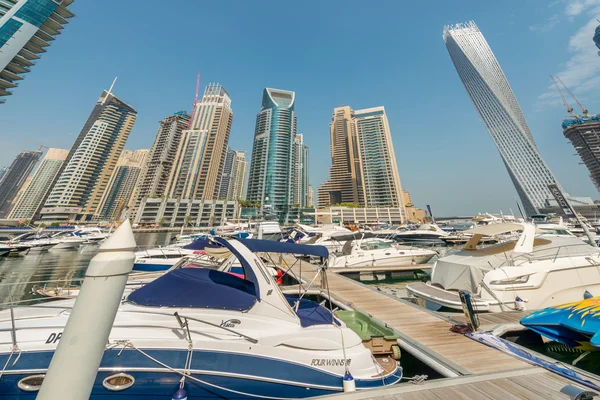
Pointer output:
x,y
568,107
584,111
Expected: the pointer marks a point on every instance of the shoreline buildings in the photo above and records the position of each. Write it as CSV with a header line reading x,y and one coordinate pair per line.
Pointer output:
x,y
499,110
27,28
275,180
363,168
30,198
78,191
14,179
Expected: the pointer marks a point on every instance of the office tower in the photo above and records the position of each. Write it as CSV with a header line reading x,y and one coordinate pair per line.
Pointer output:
x,y
271,167
500,112
311,197
226,177
299,172
378,160
200,156
26,29
584,133
30,199
155,174
3,171
15,177
345,183
91,162
118,195
240,169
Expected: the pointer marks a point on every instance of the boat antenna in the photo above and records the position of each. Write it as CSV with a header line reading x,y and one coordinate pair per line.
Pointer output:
x,y
584,111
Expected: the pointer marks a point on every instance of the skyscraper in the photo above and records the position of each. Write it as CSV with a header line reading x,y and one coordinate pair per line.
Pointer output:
x,y
91,162
300,172
378,160
227,176
30,198
584,133
155,174
271,168
26,29
240,169
15,177
345,183
499,110
200,156
117,196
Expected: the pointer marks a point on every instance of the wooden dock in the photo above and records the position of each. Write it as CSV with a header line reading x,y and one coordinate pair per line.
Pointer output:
x,y
475,370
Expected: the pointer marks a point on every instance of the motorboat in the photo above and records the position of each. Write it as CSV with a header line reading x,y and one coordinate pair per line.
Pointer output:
x,y
67,240
163,258
376,252
35,241
575,324
5,250
531,272
424,234
216,334
92,235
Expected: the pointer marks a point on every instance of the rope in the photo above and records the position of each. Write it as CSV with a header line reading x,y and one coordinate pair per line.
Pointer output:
x,y
8,360
417,379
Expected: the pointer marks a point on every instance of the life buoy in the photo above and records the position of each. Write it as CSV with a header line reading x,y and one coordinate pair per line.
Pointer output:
x,y
279,277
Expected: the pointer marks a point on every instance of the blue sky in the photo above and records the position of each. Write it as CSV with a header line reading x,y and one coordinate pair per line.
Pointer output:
x,y
362,54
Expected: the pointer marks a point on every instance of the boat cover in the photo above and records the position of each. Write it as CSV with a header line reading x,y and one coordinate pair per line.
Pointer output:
x,y
202,244
197,288
272,246
574,324
344,237
310,312
465,269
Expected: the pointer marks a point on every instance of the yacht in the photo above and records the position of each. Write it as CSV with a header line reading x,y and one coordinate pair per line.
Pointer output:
x,y
374,252
67,240
216,334
92,235
163,258
35,241
531,272
425,233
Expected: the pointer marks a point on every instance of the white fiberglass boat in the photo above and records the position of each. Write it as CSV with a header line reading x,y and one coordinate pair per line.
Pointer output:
x,y
67,240
426,233
379,253
218,335
533,272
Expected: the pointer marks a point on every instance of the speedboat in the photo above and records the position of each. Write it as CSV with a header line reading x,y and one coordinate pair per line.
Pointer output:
x,y
575,324
67,240
531,272
35,241
425,234
163,258
218,335
5,250
379,253
92,235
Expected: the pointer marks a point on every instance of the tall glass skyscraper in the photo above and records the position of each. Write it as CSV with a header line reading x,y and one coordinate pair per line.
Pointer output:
x,y
271,168
15,178
26,28
500,112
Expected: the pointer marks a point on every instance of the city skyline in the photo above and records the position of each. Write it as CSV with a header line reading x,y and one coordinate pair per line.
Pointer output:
x,y
457,135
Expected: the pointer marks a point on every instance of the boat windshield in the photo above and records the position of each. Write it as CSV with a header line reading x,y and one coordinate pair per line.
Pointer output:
x,y
375,245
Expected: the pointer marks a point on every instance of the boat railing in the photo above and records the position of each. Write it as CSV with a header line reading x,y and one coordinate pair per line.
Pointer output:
x,y
548,254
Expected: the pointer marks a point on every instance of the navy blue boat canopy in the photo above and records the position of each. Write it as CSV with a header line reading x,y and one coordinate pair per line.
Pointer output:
x,y
201,244
271,246
197,288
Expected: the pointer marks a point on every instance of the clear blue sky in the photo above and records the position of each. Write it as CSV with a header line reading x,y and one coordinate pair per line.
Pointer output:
x,y
358,53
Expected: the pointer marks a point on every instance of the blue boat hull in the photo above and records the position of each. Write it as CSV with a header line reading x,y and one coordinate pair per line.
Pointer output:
x,y
150,267
219,375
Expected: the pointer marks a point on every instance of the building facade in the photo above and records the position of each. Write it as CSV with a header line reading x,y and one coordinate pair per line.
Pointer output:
x,y
83,182
360,215
240,169
271,169
345,183
118,197
14,179
30,198
178,212
300,172
584,134
27,27
499,110
155,173
201,153
227,176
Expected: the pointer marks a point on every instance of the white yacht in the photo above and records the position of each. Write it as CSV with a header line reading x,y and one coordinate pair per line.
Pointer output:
x,y
425,233
374,252
67,240
532,272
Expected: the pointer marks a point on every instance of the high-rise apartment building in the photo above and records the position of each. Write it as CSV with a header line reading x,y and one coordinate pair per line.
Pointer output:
x,y
155,174
345,183
584,133
27,27
30,198
201,153
271,168
378,160
15,177
300,172
499,110
91,162
118,195
234,175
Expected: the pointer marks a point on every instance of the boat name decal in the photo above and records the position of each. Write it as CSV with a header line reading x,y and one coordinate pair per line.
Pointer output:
x,y
330,362
230,323
53,338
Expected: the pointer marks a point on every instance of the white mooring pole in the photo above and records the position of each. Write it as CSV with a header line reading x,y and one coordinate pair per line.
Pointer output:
x,y
75,363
